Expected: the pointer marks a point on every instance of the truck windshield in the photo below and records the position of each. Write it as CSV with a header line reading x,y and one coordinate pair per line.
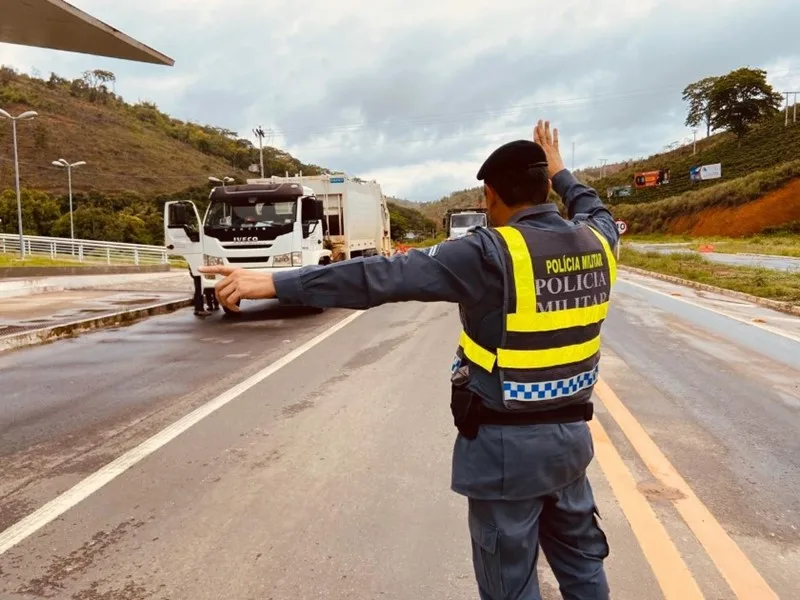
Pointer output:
x,y
243,213
468,220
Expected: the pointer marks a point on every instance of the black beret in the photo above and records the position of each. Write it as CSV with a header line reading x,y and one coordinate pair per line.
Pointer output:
x,y
517,156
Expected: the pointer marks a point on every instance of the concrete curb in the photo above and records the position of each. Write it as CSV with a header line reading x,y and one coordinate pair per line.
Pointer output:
x,y
49,334
783,307
28,272
29,286
781,256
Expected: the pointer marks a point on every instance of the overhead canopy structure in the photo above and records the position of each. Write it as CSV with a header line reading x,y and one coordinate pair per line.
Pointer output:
x,y
58,25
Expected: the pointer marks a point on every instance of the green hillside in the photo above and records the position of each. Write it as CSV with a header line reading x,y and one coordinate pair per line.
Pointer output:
x,y
658,216
137,158
127,147
768,145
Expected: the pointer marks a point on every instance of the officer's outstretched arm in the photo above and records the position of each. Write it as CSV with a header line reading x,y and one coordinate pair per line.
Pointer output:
x,y
453,271
582,202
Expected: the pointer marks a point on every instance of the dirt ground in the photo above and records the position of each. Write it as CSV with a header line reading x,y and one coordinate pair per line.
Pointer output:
x,y
774,208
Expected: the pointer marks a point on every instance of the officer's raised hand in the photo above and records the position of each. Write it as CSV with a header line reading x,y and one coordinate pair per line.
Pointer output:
x,y
549,143
241,284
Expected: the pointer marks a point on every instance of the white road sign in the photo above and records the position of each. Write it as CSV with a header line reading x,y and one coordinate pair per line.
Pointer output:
x,y
622,227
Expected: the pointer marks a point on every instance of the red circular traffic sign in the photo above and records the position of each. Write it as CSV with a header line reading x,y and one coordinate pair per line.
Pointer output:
x,y
622,227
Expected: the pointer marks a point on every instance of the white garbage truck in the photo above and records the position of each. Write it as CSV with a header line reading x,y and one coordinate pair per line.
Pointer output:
x,y
280,223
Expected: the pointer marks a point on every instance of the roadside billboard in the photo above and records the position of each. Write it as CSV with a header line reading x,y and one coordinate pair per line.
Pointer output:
x,y
651,178
706,172
619,191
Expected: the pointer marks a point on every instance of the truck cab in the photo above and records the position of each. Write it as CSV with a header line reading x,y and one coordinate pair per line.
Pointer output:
x,y
459,223
265,227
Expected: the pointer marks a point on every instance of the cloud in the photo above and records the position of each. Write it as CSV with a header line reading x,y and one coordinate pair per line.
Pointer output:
x,y
416,93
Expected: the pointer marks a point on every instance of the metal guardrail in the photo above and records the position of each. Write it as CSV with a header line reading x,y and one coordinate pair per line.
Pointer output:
x,y
86,251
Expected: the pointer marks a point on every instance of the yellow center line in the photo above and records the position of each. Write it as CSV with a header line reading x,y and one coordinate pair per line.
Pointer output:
x,y
671,572
742,577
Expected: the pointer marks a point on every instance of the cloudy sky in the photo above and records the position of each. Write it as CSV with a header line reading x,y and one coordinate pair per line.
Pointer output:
x,y
415,93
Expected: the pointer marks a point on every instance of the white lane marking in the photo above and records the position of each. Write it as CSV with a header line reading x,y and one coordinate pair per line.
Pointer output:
x,y
788,336
85,488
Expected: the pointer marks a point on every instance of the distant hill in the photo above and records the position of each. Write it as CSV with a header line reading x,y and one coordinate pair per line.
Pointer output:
x,y
766,201
127,147
767,146
407,219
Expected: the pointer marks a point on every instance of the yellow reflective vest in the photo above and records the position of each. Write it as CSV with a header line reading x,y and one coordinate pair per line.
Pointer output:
x,y
557,291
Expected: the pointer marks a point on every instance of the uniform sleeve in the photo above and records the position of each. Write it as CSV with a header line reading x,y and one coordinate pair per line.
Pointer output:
x,y
453,271
583,204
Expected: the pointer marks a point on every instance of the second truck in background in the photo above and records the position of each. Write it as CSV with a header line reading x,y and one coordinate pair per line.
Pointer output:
x,y
458,221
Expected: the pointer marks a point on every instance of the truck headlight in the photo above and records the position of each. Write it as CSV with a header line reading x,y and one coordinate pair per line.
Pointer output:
x,y
212,261
290,259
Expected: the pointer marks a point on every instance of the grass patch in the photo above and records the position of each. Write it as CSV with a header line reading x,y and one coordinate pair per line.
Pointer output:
x,y
178,263
764,283
776,245
426,243
13,260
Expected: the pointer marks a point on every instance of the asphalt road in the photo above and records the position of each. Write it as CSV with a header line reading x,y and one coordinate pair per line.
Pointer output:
x,y
329,476
766,261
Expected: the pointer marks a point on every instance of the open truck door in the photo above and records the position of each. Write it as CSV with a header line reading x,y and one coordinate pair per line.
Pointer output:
x,y
183,233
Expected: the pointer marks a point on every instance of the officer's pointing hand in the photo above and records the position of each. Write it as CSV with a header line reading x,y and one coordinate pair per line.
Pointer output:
x,y
549,143
241,284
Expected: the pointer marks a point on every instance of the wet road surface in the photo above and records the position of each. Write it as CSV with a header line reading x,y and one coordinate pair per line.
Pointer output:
x,y
329,477
779,263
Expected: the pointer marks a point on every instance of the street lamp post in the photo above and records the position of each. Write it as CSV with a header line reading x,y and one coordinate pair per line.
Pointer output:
x,y
223,181
63,163
26,116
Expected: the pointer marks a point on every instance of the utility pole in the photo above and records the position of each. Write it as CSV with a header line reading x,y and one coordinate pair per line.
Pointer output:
x,y
603,162
694,142
26,116
259,133
786,121
794,109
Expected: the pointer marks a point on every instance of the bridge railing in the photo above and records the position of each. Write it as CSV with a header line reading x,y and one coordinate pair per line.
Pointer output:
x,y
85,251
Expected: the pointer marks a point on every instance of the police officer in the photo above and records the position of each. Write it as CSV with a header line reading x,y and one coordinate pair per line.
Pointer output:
x,y
533,292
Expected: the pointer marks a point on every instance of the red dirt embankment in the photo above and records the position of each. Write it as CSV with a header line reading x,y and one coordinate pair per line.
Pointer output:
x,y
774,208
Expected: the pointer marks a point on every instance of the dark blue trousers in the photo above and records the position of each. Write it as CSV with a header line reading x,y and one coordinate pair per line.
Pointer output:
x,y
506,536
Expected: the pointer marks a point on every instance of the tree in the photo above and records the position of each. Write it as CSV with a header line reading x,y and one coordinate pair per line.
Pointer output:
x,y
39,212
741,99
96,81
697,95
407,220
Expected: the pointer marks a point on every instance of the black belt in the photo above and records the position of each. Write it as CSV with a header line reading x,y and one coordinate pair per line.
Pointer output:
x,y
469,413
565,414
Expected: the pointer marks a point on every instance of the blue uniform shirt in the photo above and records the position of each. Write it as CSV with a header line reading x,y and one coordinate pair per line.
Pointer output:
x,y
513,463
